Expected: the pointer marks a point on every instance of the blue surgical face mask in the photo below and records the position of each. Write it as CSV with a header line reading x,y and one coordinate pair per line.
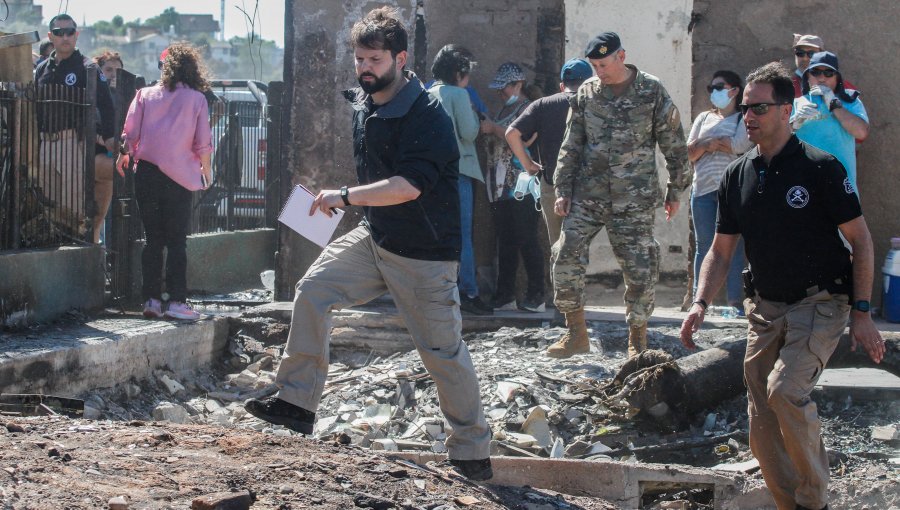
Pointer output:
x,y
720,99
512,100
526,184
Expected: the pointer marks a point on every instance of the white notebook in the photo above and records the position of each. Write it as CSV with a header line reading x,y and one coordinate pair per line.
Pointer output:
x,y
318,228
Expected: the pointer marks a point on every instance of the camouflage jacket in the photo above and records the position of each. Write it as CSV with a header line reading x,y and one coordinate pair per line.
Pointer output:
x,y
609,151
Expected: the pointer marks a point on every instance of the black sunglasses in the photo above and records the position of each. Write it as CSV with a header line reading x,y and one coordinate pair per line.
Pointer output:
x,y
61,32
802,53
758,108
717,86
829,73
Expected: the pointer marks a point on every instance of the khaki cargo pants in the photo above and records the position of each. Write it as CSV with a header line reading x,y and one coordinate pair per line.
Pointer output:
x,y
788,346
353,270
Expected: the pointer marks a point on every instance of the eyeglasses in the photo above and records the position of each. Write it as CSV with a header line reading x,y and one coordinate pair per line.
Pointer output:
x,y
829,73
758,108
717,86
803,53
63,32
761,182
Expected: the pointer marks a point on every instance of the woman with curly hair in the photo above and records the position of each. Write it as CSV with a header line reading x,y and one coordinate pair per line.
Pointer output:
x,y
167,133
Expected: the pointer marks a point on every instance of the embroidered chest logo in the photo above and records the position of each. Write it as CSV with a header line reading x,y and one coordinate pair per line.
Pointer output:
x,y
71,79
797,197
848,186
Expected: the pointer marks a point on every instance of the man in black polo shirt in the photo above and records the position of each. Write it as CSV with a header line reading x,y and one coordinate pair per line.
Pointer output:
x,y
789,200
62,156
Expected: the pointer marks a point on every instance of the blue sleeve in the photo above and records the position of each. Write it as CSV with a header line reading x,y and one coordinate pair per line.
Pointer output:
x,y
476,100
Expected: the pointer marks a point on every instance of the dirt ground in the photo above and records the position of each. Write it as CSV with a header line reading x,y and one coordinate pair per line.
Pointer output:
x,y
80,464
55,462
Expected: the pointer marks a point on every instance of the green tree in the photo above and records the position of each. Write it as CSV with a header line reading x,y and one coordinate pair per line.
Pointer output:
x,y
168,18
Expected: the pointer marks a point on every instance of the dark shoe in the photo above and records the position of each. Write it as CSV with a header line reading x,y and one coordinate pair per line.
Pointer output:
x,y
532,304
475,470
277,411
474,305
503,303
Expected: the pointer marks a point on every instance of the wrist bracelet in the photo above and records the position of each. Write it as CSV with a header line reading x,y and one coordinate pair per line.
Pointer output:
x,y
701,302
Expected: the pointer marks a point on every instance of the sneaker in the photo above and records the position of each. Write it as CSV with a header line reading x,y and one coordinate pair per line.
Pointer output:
x,y
532,304
503,303
474,305
277,411
153,309
475,470
179,310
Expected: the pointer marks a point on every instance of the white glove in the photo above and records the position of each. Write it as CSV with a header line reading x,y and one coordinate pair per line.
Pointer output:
x,y
824,91
806,110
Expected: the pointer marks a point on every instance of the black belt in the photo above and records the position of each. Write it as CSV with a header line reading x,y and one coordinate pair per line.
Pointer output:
x,y
790,298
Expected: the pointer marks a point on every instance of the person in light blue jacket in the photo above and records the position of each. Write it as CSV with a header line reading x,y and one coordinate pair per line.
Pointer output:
x,y
451,70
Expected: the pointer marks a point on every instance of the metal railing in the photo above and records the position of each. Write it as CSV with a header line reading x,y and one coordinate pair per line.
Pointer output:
x,y
47,138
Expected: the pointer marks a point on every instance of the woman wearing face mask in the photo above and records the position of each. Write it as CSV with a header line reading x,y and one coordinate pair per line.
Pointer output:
x,y
718,136
516,221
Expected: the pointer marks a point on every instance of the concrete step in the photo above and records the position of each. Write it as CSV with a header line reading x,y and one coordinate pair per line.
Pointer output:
x,y
859,384
69,359
618,482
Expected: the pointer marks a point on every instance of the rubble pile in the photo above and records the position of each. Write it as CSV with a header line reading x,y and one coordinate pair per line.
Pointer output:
x,y
536,406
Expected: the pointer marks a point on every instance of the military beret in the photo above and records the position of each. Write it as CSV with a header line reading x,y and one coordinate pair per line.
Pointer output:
x,y
603,45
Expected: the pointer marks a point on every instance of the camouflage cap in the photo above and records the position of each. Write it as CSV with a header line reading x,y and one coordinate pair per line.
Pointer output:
x,y
508,72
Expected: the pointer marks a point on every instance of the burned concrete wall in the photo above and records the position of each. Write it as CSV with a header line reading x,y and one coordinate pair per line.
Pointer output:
x,y
319,65
656,39
739,35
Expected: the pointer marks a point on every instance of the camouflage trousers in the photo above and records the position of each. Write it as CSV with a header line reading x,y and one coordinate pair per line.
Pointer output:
x,y
630,230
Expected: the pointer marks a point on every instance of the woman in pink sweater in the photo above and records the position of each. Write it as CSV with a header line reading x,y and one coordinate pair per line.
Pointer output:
x,y
167,133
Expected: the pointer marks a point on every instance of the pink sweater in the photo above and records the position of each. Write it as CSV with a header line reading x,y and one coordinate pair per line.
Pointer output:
x,y
171,130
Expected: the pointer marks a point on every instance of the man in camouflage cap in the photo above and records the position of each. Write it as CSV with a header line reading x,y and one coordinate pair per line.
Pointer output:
x,y
606,176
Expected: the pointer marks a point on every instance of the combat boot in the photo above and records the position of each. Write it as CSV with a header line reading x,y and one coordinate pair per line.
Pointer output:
x,y
575,340
637,339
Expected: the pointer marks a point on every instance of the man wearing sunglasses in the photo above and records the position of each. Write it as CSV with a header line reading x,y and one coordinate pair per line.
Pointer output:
x,y
62,156
828,116
805,46
789,200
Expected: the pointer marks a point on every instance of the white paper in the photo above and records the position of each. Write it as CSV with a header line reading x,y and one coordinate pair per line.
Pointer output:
x,y
318,228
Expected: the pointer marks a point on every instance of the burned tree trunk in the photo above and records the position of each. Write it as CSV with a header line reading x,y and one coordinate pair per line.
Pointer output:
x,y
657,385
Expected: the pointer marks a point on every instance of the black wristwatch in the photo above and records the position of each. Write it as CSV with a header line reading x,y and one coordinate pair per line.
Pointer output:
x,y
835,104
861,305
701,302
345,195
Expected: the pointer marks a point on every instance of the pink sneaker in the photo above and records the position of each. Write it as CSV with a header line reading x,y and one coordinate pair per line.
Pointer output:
x,y
153,309
179,310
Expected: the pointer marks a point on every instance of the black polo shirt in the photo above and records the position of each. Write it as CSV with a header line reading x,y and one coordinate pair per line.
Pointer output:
x,y
788,213
57,114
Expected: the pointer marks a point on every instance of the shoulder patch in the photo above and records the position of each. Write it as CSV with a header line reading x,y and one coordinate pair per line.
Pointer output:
x,y
848,186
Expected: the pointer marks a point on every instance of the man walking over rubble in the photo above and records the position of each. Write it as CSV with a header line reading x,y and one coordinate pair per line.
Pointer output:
x,y
789,201
408,244
606,176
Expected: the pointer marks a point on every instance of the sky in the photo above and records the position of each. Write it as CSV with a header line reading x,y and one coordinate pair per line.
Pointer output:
x,y
269,22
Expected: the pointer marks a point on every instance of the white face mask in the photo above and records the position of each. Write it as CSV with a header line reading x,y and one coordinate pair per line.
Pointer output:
x,y
512,100
720,99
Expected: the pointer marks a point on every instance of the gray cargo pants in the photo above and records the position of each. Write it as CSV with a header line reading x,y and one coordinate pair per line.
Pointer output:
x,y
353,270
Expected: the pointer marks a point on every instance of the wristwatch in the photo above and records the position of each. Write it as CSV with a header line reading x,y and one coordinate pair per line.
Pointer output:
x,y
835,104
345,195
123,150
861,305
701,302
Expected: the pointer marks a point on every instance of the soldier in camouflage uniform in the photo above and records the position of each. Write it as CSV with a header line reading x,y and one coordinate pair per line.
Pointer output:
x,y
606,176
